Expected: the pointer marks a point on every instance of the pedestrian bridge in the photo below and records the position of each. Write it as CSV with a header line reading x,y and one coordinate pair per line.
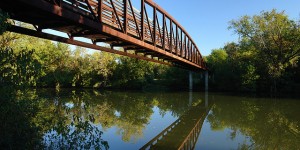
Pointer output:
x,y
114,26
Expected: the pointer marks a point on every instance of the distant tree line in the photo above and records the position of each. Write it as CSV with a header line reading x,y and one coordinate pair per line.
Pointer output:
x,y
265,59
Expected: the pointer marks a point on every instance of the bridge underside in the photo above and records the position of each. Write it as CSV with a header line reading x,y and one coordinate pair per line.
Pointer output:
x,y
65,17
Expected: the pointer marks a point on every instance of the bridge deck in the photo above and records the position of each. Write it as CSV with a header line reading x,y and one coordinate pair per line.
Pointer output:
x,y
150,34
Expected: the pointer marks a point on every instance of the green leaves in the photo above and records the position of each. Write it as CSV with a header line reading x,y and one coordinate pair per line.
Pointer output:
x,y
274,36
18,69
269,43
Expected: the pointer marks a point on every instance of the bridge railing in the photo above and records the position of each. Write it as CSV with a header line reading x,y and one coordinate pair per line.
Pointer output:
x,y
152,24
190,141
160,135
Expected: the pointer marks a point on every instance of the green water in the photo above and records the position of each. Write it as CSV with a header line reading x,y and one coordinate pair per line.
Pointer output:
x,y
87,119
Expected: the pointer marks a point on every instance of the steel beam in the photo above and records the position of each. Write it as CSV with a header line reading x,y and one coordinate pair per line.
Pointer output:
x,y
142,19
78,43
95,20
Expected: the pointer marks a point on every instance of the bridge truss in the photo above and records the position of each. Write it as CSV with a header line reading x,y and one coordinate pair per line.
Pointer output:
x,y
150,34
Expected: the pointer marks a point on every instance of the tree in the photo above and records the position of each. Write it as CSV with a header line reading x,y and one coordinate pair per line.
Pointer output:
x,y
241,62
222,73
101,68
275,39
216,58
18,69
132,72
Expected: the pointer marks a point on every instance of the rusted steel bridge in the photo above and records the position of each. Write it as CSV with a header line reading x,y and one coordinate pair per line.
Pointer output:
x,y
150,34
181,134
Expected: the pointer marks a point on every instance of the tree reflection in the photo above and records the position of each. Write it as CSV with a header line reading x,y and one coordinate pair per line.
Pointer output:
x,y
270,124
17,127
177,103
129,112
73,126
65,119
79,134
31,121
132,111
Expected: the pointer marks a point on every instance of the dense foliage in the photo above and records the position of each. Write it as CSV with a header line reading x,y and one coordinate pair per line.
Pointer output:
x,y
266,58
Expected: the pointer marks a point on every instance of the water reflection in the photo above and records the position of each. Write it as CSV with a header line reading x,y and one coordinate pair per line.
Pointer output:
x,y
73,124
252,123
18,128
87,119
184,132
78,119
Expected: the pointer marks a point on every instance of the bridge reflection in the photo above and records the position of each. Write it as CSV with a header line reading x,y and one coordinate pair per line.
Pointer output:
x,y
184,132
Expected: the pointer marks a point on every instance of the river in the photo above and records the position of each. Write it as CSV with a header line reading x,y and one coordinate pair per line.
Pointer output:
x,y
90,119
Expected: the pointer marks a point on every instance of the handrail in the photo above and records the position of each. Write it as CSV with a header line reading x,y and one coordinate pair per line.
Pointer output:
x,y
153,4
161,134
196,127
157,36
164,32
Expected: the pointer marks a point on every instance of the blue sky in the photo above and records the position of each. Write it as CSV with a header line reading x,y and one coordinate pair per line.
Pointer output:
x,y
207,20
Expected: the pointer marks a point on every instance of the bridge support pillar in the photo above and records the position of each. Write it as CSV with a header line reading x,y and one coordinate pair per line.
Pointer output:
x,y
190,80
